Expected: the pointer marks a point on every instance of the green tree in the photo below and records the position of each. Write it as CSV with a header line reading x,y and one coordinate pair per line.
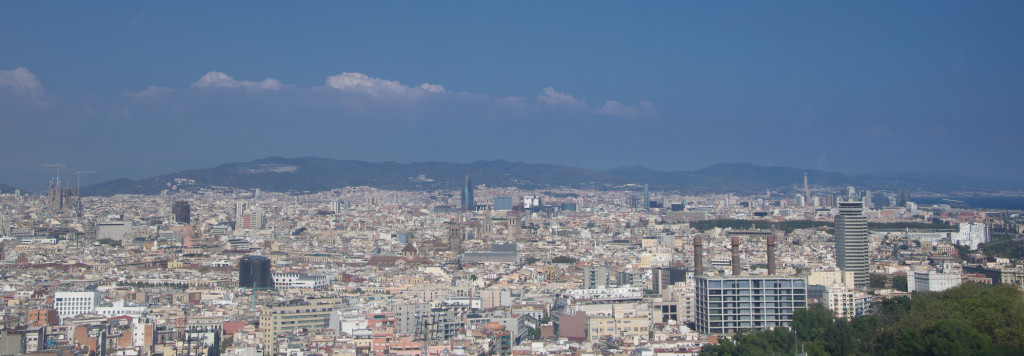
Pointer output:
x,y
226,342
909,342
533,333
564,259
972,319
810,324
838,338
950,337
962,251
865,332
899,282
877,281
111,242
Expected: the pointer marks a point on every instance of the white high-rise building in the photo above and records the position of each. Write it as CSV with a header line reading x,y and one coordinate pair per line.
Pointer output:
x,y
726,305
971,235
852,241
841,301
531,201
239,211
69,304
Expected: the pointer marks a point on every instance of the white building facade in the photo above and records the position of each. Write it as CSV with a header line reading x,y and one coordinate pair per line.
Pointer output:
x,y
69,304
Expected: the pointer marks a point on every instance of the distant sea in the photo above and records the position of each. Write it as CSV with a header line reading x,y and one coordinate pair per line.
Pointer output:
x,y
1002,203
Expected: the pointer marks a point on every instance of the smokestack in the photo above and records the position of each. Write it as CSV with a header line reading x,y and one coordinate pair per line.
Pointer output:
x,y
698,256
736,256
771,255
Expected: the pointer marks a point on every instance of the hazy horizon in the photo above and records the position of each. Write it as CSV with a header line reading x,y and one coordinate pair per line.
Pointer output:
x,y
143,89
69,176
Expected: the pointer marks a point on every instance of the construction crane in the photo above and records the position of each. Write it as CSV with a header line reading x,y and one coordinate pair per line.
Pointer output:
x,y
59,166
78,175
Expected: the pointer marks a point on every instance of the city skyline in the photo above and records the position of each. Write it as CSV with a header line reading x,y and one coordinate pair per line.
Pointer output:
x,y
551,270
511,178
143,89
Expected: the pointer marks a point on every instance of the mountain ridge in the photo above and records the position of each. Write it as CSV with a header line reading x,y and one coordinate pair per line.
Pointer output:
x,y
312,174
7,189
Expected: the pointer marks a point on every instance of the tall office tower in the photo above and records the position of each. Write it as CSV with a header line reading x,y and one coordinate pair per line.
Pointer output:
x,y
468,204
663,277
807,191
647,198
455,238
698,256
902,198
182,212
253,218
736,269
239,211
852,241
254,273
633,201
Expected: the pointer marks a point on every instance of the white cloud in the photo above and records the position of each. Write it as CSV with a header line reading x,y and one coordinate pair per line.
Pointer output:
x,y
615,108
151,91
216,79
433,88
23,83
20,79
379,88
355,87
553,97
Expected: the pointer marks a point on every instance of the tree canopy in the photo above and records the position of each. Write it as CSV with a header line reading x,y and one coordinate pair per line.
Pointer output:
x,y
564,259
972,319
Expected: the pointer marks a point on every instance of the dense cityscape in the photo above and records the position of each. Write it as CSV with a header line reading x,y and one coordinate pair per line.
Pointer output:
x,y
483,270
456,178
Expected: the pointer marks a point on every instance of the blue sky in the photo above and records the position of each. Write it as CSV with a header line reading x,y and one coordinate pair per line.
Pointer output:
x,y
135,89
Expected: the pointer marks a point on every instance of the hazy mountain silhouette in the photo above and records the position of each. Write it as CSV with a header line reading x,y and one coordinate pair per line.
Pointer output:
x,y
318,174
